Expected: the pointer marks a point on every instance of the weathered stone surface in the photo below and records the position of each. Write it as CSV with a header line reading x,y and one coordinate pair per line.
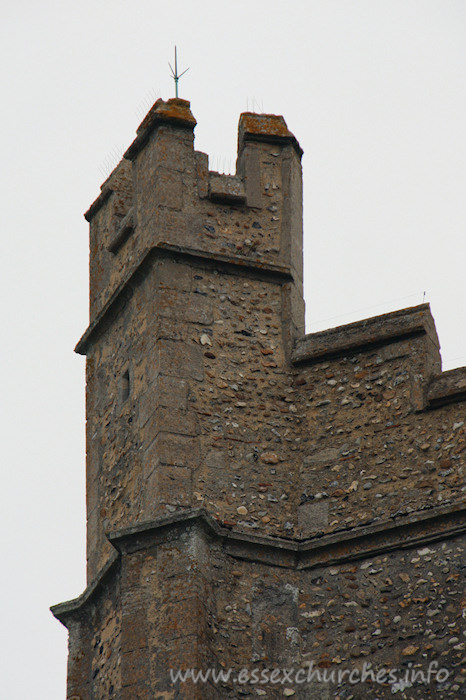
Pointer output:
x,y
312,517
226,188
449,386
275,499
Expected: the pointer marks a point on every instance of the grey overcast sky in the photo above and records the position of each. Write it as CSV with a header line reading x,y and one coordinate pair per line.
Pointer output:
x,y
375,91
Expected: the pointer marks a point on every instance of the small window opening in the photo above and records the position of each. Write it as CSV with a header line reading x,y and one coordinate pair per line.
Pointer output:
x,y
125,386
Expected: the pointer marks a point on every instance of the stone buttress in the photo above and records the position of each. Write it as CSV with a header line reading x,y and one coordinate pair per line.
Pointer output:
x,y
256,497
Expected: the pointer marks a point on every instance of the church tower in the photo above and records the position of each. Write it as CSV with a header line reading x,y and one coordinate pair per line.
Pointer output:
x,y
257,498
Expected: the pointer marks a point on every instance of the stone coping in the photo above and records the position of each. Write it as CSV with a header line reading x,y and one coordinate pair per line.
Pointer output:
x,y
368,333
175,112
98,202
407,531
270,128
63,610
110,185
228,189
448,387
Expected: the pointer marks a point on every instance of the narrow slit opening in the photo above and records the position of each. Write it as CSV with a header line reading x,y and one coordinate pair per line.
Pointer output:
x,y
125,386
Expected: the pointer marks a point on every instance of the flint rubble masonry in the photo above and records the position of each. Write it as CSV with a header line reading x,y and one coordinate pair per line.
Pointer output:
x,y
255,496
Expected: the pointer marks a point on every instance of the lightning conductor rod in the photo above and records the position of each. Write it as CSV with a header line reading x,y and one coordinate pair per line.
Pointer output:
x,y
175,75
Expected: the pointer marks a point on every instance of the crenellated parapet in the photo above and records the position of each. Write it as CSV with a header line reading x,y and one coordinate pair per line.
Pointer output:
x,y
197,358
162,195
255,496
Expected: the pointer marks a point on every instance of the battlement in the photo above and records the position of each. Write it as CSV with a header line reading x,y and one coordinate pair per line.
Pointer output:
x,y
228,453
162,193
201,275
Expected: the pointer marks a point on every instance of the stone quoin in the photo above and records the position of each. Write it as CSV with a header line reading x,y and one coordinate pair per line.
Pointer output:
x,y
256,497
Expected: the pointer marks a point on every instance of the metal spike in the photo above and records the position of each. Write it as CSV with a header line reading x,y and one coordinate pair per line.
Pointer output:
x,y
175,75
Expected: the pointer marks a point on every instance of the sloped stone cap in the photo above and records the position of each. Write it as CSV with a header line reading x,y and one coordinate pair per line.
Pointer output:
x,y
111,184
265,127
226,188
377,330
448,387
175,111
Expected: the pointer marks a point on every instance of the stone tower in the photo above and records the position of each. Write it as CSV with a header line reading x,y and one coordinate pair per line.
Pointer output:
x,y
257,498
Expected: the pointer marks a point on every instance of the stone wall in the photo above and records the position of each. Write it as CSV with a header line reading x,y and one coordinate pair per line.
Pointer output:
x,y
256,497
